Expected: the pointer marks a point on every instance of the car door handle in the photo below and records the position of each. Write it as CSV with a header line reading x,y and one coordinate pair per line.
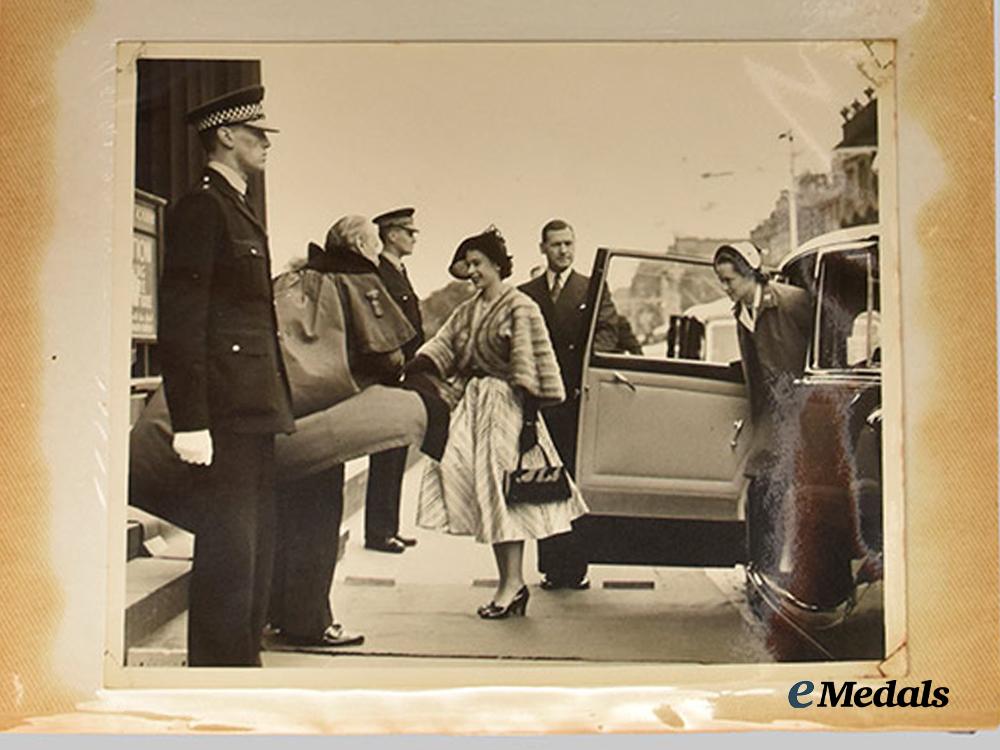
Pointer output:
x,y
737,429
622,380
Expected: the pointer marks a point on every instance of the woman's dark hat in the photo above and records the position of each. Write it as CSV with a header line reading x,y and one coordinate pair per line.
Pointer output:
x,y
491,244
242,107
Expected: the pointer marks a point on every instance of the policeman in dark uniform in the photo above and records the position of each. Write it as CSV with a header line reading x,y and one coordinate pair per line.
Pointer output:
x,y
225,381
385,471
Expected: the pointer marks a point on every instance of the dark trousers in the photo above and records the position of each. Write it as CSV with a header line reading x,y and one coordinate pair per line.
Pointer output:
x,y
233,552
562,558
310,511
382,496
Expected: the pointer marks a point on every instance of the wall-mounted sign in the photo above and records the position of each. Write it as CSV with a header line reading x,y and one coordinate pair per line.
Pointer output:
x,y
147,248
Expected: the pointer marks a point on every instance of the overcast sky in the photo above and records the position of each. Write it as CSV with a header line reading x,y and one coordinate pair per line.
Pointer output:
x,y
612,137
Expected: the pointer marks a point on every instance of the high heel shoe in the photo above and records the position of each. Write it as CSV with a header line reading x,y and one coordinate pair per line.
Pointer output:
x,y
518,607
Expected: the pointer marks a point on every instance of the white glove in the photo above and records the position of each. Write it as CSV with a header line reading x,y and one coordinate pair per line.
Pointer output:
x,y
194,447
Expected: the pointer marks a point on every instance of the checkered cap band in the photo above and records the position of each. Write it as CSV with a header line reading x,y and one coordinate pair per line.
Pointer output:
x,y
232,116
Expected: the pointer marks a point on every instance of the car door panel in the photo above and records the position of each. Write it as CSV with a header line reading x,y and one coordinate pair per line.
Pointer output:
x,y
662,445
663,434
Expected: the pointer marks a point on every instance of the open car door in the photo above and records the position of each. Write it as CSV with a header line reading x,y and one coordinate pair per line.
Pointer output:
x,y
664,430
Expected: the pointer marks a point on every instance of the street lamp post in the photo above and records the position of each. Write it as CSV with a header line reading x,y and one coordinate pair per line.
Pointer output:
x,y
793,217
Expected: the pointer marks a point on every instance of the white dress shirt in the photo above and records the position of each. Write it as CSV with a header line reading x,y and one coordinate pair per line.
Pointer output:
x,y
551,276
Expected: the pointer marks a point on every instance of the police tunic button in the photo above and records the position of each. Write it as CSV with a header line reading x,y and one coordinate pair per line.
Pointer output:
x,y
572,347
253,251
236,347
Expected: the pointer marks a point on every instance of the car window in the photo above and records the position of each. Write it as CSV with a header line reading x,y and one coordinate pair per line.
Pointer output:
x,y
849,321
675,309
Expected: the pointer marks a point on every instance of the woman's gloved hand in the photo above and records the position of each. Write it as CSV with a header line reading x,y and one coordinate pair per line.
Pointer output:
x,y
529,425
420,363
418,374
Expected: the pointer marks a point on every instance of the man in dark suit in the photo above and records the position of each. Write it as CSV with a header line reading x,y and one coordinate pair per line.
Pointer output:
x,y
561,293
385,470
225,381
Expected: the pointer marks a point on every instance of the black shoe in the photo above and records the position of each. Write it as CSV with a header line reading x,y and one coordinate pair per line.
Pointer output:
x,y
388,544
407,541
555,584
518,607
334,636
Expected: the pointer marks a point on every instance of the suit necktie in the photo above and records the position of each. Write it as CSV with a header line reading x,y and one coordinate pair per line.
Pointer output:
x,y
556,288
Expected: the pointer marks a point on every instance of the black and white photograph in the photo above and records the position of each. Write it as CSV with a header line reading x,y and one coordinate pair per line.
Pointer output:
x,y
523,355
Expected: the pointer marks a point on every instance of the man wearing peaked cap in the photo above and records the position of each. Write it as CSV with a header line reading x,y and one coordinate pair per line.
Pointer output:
x,y
224,380
398,217
242,107
398,233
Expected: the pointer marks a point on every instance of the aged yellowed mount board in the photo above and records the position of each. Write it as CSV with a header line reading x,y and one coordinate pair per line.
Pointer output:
x,y
626,139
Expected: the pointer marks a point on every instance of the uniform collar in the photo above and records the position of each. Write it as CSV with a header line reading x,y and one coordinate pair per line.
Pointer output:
x,y
397,263
233,177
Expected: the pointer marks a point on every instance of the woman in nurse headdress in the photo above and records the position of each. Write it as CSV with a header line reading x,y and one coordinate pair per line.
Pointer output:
x,y
495,351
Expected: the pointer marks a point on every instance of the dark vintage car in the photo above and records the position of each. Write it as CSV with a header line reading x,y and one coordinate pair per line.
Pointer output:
x,y
664,437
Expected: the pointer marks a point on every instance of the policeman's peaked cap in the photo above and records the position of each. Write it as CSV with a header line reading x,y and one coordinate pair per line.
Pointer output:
x,y
242,107
398,217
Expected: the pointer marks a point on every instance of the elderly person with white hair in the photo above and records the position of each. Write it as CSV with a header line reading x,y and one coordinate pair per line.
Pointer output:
x,y
310,508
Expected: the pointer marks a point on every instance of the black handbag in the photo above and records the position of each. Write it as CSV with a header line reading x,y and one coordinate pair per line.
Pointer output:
x,y
547,484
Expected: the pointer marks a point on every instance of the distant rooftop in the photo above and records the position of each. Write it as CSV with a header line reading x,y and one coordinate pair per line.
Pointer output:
x,y
860,127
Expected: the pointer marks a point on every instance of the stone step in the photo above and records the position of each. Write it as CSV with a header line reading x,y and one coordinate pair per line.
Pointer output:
x,y
156,621
160,538
133,540
164,647
156,591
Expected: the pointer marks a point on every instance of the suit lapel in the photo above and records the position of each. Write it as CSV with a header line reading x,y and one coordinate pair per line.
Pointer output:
x,y
571,295
538,290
